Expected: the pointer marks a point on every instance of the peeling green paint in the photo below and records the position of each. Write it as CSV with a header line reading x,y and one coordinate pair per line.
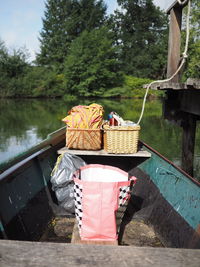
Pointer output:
x,y
182,193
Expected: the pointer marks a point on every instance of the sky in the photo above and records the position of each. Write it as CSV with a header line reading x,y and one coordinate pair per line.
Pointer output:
x,y
21,22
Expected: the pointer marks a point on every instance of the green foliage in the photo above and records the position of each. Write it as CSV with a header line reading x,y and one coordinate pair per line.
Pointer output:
x,y
3,55
30,81
132,87
13,64
141,29
64,21
69,98
92,66
116,92
41,82
83,53
193,65
193,62
135,83
13,67
3,50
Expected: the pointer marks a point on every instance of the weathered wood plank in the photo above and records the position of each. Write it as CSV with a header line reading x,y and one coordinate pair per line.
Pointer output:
x,y
102,152
174,43
193,83
29,254
190,84
174,5
77,240
169,85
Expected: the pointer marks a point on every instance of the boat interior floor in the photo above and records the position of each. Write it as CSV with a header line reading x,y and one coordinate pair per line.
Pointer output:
x,y
135,233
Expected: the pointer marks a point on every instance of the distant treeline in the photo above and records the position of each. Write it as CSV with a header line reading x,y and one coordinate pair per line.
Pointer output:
x,y
84,52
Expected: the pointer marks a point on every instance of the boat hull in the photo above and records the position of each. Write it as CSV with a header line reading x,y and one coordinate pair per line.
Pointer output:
x,y
164,196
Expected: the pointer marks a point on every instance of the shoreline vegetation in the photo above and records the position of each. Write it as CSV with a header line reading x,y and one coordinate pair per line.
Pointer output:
x,y
131,88
85,53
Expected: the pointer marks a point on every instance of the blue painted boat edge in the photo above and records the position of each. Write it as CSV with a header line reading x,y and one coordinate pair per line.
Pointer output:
x,y
180,190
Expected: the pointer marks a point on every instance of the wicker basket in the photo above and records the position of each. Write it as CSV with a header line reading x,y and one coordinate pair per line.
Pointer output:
x,y
121,139
85,139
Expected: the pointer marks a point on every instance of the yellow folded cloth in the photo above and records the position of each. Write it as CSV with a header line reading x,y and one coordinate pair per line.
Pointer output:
x,y
85,117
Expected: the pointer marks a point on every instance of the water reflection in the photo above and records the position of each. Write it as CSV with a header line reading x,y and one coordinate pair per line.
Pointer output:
x,y
24,123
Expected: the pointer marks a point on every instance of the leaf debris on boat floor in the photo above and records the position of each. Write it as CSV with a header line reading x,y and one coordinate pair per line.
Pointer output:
x,y
59,230
137,233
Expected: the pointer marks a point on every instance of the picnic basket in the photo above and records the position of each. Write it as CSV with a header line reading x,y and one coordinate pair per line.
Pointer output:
x,y
85,139
121,139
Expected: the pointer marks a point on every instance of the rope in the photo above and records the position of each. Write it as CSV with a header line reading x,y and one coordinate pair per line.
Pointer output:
x,y
182,2
184,54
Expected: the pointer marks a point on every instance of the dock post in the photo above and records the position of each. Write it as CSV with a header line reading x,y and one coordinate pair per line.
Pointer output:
x,y
188,143
174,42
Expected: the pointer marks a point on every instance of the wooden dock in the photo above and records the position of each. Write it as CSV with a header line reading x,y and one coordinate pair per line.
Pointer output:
x,y
41,254
181,105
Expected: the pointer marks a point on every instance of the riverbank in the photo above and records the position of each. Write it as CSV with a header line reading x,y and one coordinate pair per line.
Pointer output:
x,y
43,87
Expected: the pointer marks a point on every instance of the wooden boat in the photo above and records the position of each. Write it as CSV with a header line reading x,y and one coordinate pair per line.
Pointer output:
x,y
164,196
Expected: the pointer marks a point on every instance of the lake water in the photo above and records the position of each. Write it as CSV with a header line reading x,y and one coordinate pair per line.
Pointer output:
x,y
26,122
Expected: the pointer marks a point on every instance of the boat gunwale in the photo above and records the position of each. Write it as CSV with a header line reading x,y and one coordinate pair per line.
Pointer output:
x,y
171,163
48,142
12,169
5,166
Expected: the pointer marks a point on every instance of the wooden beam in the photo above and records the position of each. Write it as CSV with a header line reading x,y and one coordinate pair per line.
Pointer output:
x,y
190,102
174,42
188,143
175,4
190,84
169,86
28,254
193,83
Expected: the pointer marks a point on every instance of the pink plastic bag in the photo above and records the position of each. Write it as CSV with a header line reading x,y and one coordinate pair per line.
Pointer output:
x,y
99,191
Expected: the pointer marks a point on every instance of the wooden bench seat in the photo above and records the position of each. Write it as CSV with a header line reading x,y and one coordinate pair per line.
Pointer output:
x,y
77,240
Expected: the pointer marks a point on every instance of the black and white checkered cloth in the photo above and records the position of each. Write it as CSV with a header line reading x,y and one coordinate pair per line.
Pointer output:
x,y
124,192
78,203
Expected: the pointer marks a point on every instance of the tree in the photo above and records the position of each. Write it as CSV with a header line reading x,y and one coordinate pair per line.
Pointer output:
x,y
141,28
3,56
64,21
3,50
14,64
193,61
13,67
92,65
